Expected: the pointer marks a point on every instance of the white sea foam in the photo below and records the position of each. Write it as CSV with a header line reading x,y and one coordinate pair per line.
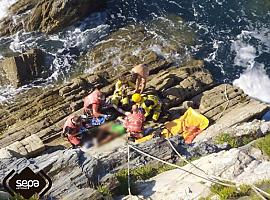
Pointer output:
x,y
4,5
254,81
61,49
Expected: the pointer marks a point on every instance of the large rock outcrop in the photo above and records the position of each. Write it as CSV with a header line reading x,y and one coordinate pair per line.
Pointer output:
x,y
243,166
44,111
226,106
76,174
71,171
27,147
52,16
47,16
134,44
21,69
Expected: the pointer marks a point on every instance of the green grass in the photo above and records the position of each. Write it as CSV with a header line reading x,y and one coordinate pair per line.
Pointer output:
x,y
140,173
104,191
226,193
264,144
234,142
226,138
230,192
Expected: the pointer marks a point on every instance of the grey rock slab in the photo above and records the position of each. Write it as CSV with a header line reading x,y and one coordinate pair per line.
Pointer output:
x,y
239,114
236,164
70,170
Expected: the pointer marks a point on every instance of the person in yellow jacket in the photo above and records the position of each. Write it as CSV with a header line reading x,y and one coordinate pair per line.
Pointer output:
x,y
149,103
120,95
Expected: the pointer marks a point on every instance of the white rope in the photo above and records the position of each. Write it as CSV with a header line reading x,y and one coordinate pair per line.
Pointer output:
x,y
188,162
129,190
228,101
258,191
176,166
184,159
261,191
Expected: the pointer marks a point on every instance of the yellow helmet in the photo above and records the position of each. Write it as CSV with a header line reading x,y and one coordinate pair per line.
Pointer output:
x,y
136,98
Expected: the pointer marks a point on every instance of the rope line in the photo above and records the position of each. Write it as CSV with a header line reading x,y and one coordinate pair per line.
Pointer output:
x,y
228,101
173,165
212,179
129,190
258,190
258,193
215,178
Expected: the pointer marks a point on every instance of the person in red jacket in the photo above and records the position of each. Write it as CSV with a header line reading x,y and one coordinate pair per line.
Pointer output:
x,y
72,129
92,104
134,123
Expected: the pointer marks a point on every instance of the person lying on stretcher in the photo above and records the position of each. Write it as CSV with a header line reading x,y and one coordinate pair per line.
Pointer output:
x,y
106,133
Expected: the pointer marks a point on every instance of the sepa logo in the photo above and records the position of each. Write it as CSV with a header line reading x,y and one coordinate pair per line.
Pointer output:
x,y
27,183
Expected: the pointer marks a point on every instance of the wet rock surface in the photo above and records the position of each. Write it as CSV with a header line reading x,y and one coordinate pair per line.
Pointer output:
x,y
133,45
47,16
21,69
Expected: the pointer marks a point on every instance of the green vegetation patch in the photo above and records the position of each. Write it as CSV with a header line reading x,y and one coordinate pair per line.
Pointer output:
x,y
226,193
264,144
104,191
234,142
230,192
141,173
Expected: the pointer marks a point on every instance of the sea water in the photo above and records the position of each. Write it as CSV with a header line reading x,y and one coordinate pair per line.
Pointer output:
x,y
233,38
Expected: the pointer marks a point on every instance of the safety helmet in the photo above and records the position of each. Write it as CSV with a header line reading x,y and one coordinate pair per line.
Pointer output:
x,y
136,98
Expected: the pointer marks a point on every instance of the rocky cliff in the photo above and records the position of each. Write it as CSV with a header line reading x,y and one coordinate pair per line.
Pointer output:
x,y
31,123
47,16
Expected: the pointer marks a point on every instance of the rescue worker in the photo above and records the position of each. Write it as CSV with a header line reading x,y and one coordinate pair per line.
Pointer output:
x,y
140,74
73,130
122,87
92,104
150,104
134,123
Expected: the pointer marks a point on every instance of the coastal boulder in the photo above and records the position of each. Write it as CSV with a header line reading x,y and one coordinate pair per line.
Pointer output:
x,y
51,16
30,146
48,16
21,69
